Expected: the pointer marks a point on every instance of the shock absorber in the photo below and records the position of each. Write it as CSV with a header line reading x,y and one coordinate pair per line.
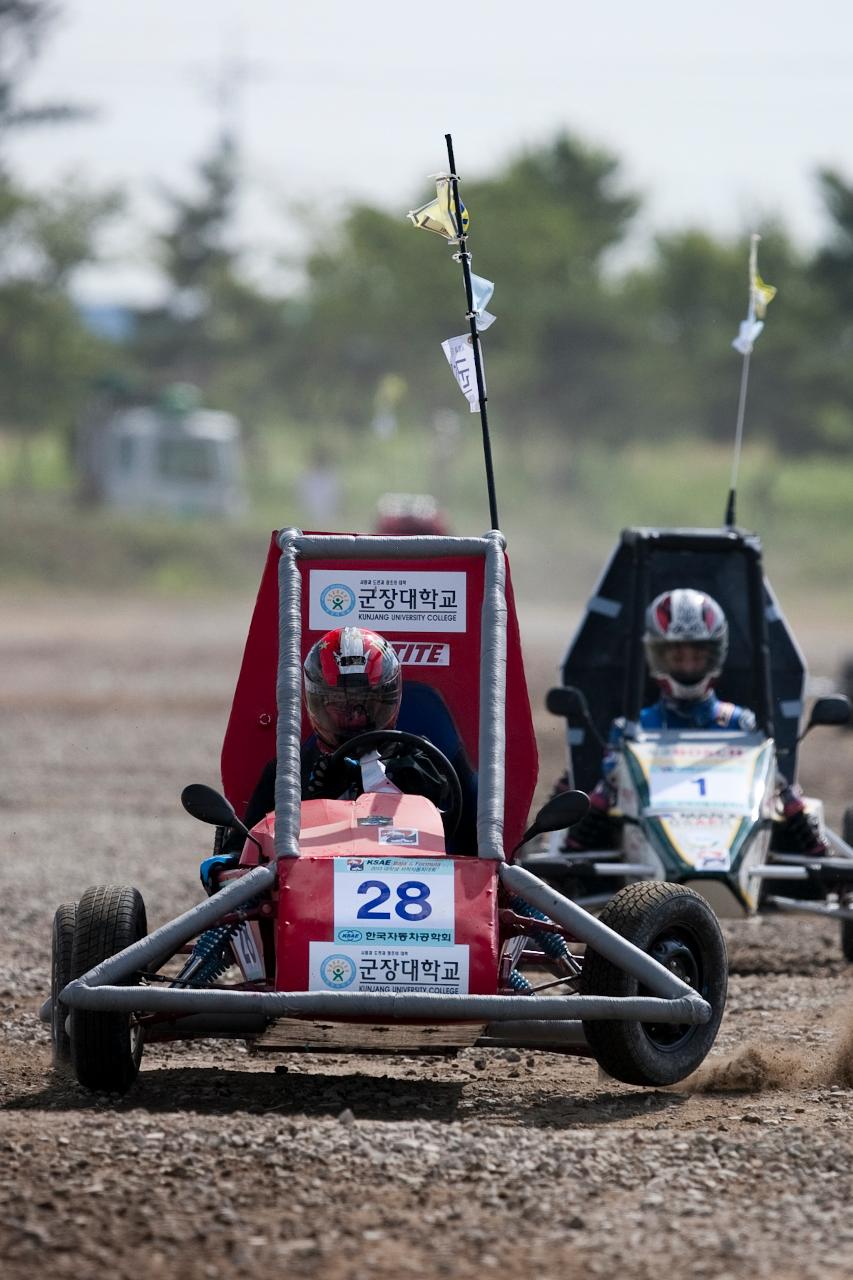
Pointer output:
x,y
551,943
518,982
210,957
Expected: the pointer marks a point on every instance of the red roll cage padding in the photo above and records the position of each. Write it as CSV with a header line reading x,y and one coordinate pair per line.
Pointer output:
x,y
249,741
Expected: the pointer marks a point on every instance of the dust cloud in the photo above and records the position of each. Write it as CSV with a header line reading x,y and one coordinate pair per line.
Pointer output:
x,y
758,1067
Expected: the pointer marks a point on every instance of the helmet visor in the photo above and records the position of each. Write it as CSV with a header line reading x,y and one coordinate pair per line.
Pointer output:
x,y
687,662
339,714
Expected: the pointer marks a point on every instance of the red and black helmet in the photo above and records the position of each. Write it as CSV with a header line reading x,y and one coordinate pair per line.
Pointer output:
x,y
686,642
353,684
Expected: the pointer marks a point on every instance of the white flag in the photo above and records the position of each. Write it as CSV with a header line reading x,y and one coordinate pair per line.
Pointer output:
x,y
481,293
460,357
747,333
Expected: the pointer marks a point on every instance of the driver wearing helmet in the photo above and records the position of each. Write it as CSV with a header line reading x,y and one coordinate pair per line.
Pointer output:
x,y
352,685
686,641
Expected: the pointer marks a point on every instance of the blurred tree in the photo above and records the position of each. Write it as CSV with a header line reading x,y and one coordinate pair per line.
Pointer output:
x,y
833,263
214,329
24,25
689,302
46,354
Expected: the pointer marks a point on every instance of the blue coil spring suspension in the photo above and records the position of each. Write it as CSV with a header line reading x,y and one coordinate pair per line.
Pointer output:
x,y
518,982
551,943
210,958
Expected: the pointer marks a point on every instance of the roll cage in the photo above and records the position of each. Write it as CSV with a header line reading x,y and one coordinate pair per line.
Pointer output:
x,y
764,670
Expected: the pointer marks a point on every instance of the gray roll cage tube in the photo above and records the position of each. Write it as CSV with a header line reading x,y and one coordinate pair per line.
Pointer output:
x,y
103,987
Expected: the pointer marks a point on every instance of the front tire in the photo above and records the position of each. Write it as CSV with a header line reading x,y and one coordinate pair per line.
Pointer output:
x,y
106,1048
60,975
678,928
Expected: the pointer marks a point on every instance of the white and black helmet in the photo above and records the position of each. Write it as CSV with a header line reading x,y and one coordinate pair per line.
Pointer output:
x,y
679,618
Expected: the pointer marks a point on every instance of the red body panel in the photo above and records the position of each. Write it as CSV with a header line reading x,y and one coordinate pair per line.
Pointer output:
x,y
454,673
307,904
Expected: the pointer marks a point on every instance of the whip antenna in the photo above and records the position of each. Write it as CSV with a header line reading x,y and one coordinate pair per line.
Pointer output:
x,y
447,216
760,294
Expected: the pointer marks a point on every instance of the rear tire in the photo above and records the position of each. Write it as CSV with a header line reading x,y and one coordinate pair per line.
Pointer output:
x,y
60,976
678,928
106,1048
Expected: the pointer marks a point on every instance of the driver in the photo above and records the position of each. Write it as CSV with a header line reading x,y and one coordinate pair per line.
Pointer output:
x,y
686,642
352,685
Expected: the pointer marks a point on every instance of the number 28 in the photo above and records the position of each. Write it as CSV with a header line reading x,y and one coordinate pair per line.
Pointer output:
x,y
411,901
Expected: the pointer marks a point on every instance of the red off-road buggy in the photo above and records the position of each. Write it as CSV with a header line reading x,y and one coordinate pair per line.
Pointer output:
x,y
348,924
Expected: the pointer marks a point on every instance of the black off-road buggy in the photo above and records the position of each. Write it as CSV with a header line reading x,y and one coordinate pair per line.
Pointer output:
x,y
696,808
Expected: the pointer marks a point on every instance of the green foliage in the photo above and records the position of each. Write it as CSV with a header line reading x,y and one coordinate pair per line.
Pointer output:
x,y
46,354
24,24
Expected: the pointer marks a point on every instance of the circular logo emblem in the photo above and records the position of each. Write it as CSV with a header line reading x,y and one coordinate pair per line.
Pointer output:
x,y
349,935
337,600
338,972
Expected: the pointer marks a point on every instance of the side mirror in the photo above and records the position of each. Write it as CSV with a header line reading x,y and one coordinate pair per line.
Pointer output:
x,y
208,805
833,709
561,811
566,701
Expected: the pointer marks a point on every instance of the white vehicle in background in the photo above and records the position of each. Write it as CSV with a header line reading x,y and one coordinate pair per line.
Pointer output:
x,y
172,456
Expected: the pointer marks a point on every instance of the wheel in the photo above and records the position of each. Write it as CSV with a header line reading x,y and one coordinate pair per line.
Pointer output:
x,y
678,928
394,742
106,1048
60,976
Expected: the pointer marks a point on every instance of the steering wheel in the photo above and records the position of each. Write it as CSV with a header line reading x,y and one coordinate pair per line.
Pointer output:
x,y
396,741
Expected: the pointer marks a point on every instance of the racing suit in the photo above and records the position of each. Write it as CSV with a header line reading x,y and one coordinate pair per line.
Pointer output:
x,y
412,772
599,829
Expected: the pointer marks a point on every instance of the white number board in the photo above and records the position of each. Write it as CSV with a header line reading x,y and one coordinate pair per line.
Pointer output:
x,y
394,900
385,600
439,970
700,776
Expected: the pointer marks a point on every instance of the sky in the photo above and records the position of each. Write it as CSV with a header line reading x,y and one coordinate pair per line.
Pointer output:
x,y
719,114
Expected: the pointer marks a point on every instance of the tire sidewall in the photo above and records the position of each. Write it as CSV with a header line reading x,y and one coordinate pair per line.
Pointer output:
x,y
106,1048
625,1050
60,975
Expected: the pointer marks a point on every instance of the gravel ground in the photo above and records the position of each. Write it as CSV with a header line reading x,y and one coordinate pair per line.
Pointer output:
x,y
223,1163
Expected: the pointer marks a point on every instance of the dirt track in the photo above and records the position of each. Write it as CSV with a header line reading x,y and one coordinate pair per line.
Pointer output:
x,y
220,1163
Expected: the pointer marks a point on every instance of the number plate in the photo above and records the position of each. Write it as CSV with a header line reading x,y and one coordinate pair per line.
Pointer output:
x,y
699,776
394,900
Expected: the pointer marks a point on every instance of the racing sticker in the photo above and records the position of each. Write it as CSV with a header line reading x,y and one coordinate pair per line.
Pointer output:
x,y
399,835
394,899
703,841
403,600
422,653
438,971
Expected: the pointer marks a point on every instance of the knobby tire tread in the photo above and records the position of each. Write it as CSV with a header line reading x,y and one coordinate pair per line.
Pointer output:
x,y
630,913
109,918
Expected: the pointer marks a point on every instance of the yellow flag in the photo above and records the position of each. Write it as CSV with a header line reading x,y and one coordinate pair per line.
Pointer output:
x,y
763,294
436,214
